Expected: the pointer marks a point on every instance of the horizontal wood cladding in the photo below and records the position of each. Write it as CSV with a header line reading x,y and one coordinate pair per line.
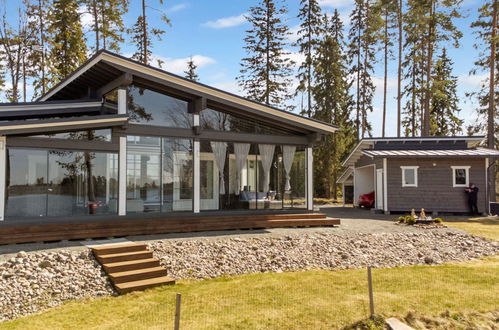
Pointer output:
x,y
435,191
95,229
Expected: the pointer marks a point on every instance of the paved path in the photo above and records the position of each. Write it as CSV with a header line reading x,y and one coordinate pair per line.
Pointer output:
x,y
352,221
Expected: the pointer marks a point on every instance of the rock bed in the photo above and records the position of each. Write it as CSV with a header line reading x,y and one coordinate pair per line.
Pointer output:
x,y
33,282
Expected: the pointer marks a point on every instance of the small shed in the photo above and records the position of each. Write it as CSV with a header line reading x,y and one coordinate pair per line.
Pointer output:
x,y
423,172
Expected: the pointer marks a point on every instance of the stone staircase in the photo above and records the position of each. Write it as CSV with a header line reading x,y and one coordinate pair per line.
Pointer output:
x,y
131,266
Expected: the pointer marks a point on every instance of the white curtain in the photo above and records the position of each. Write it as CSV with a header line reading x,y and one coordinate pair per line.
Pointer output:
x,y
241,150
288,154
219,151
266,154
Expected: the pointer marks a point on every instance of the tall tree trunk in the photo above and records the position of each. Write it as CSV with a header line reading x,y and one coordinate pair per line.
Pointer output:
x,y
24,76
399,69
426,109
104,27
42,42
95,13
309,64
492,63
357,123
144,30
267,59
413,101
386,74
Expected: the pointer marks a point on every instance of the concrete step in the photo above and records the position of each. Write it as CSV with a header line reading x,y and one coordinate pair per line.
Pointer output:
x,y
137,274
118,248
127,256
143,284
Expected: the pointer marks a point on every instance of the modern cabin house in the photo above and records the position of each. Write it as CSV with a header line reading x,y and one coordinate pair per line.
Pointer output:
x,y
121,148
423,172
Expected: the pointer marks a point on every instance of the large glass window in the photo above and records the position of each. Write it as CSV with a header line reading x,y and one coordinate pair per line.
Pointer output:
x,y
61,183
149,107
159,174
222,121
251,176
91,135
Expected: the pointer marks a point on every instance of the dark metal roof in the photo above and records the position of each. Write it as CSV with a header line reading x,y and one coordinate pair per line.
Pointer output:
x,y
61,124
52,109
476,153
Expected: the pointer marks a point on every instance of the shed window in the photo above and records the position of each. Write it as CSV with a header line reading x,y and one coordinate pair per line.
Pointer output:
x,y
409,176
460,176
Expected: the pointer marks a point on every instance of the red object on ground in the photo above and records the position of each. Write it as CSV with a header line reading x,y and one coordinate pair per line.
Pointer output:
x,y
367,200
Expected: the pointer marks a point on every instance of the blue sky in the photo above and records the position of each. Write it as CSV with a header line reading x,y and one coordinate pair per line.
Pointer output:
x,y
213,31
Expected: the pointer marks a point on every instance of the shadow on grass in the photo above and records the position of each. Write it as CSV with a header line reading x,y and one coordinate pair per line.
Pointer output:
x,y
481,220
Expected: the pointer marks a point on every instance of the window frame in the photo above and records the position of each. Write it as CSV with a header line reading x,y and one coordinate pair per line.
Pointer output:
x,y
467,171
415,169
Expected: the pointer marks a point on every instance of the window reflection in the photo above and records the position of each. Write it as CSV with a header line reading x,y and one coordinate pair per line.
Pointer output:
x,y
148,107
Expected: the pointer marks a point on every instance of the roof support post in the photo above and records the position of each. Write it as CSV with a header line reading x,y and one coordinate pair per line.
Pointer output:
x,y
310,175
122,109
385,185
3,176
196,198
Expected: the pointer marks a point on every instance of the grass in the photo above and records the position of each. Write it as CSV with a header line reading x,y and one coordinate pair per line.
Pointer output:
x,y
294,300
487,227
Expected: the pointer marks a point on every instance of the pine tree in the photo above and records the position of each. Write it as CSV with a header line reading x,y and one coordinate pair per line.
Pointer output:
x,y
37,11
141,34
364,36
265,72
308,37
68,43
486,29
333,105
400,41
190,73
107,22
444,118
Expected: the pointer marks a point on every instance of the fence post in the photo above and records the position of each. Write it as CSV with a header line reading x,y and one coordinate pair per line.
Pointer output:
x,y
371,297
177,311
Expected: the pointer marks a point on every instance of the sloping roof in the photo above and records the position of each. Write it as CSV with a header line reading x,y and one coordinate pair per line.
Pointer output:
x,y
366,144
61,124
38,110
104,67
477,152
345,175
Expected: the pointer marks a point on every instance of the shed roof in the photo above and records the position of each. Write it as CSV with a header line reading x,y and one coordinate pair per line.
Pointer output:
x,y
475,153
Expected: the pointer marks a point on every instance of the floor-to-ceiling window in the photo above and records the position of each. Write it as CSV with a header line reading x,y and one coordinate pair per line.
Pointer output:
x,y
159,174
60,183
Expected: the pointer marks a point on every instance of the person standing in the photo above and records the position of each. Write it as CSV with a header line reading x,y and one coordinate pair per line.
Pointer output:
x,y
472,192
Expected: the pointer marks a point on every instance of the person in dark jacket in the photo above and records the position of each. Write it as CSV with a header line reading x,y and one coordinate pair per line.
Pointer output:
x,y
472,192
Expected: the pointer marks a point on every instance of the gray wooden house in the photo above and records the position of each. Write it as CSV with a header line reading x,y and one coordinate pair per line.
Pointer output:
x,y
423,172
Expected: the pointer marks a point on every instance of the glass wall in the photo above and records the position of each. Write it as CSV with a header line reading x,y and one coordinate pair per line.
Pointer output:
x,y
159,174
251,176
60,183
149,107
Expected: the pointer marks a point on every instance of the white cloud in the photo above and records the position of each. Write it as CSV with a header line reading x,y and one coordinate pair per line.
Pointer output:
x,y
379,82
226,22
336,3
176,8
86,18
472,81
293,35
179,65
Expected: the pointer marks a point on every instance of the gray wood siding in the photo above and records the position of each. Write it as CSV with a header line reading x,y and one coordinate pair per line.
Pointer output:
x,y
434,191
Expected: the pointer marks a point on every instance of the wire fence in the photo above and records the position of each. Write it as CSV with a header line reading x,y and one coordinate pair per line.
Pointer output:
x,y
318,300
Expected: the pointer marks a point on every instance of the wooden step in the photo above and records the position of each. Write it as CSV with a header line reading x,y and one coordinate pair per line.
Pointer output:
x,y
124,266
137,275
143,284
127,256
118,248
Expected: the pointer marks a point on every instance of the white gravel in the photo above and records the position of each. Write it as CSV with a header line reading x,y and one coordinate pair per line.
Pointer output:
x,y
32,282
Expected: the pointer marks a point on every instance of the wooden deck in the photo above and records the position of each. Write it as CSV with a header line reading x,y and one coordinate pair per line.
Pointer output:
x,y
40,232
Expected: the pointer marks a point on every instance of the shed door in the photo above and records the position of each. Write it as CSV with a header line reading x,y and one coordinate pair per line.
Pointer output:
x,y
379,189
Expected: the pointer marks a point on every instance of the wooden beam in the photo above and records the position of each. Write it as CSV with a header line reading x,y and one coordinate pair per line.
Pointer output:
x,y
198,105
124,80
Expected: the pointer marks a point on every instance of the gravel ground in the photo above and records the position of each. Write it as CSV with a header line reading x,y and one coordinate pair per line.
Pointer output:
x,y
50,274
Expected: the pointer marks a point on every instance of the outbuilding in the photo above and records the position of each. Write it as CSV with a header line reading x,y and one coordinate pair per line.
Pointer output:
x,y
420,172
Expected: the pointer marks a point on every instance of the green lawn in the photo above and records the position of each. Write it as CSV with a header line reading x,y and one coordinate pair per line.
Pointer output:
x,y
483,226
296,300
